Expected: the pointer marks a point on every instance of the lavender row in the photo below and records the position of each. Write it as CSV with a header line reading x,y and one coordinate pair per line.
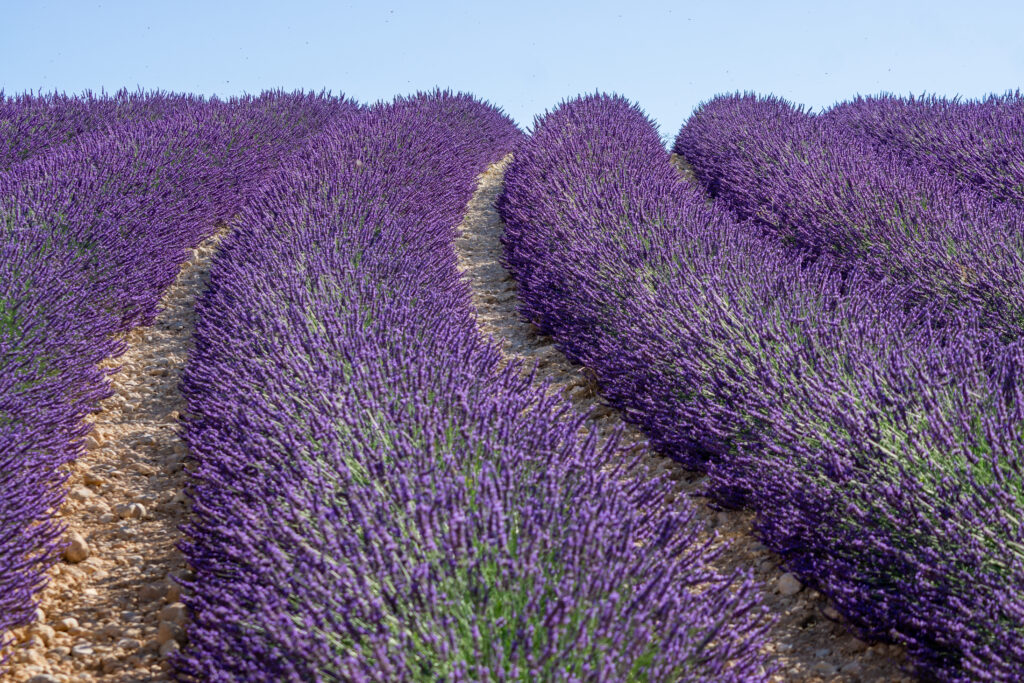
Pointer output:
x,y
880,445
34,124
822,186
93,230
375,498
979,142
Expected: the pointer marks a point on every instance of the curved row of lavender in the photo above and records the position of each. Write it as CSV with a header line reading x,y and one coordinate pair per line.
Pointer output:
x,y
94,230
879,446
980,142
822,185
32,124
375,497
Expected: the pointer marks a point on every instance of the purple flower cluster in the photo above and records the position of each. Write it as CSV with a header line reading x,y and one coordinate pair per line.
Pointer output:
x,y
31,124
375,496
878,439
826,187
92,229
979,142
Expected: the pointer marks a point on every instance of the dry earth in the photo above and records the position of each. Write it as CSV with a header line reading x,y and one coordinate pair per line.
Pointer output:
x,y
684,167
111,610
808,640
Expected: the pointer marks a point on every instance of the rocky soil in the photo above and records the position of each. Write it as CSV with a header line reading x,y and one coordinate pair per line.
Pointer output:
x,y
111,611
808,641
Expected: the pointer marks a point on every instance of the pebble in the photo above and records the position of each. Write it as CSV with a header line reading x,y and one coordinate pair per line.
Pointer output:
x,y
145,439
129,644
174,613
36,659
75,573
143,469
168,631
152,591
825,669
858,645
45,632
78,550
82,650
80,493
169,647
44,678
136,511
60,651
544,350
32,642
152,608
66,624
852,668
97,507
788,584
831,612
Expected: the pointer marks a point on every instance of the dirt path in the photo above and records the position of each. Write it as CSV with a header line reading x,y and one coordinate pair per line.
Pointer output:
x,y
111,611
807,640
684,167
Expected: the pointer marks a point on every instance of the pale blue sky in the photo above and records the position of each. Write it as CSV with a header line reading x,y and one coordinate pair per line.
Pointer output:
x,y
524,56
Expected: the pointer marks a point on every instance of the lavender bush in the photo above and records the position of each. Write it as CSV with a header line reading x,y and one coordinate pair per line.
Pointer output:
x,y
877,437
979,142
824,187
33,124
374,498
93,230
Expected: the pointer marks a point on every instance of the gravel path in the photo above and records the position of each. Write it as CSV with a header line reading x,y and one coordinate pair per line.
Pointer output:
x,y
807,640
111,610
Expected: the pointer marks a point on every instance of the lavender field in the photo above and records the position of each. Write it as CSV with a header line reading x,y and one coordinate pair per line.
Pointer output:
x,y
764,419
